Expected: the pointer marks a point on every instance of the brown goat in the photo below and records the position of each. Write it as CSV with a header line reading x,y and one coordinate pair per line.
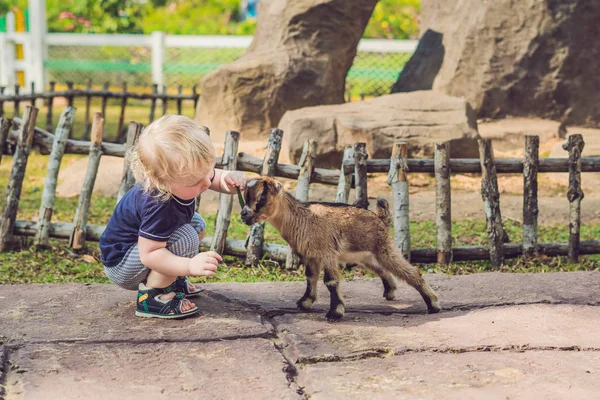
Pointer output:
x,y
328,234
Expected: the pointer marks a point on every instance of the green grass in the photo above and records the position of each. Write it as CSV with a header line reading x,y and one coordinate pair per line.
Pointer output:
x,y
60,264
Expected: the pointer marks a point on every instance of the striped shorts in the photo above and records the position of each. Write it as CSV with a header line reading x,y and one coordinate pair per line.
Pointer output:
x,y
184,242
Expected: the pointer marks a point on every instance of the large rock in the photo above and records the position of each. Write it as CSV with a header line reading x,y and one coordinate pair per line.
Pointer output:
x,y
299,57
522,58
421,118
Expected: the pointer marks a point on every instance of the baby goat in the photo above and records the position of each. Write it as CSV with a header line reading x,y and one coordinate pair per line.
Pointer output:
x,y
328,234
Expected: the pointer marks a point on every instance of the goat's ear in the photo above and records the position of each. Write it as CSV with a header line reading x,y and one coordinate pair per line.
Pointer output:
x,y
274,186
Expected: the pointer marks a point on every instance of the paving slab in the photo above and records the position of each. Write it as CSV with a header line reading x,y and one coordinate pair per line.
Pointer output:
x,y
309,338
470,291
100,313
239,369
3,368
535,375
499,336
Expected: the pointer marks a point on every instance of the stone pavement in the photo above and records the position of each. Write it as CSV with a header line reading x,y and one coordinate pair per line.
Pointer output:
x,y
500,336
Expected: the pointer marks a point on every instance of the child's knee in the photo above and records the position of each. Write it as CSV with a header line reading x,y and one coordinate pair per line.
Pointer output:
x,y
198,223
184,242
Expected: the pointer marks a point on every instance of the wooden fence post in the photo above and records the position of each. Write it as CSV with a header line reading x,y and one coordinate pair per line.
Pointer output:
x,y
77,239
70,100
307,165
49,193
360,175
491,202
574,146
5,127
229,163
443,203
119,134
105,89
345,181
269,166
195,96
49,122
530,195
88,102
397,179
165,104
33,95
70,96
127,179
153,102
17,175
199,197
17,102
179,92
2,89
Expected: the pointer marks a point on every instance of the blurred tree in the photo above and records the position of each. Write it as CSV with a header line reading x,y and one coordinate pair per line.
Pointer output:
x,y
7,5
95,16
198,17
394,19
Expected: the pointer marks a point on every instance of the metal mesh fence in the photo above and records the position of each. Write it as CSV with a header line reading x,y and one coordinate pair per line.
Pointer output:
x,y
112,64
186,66
372,74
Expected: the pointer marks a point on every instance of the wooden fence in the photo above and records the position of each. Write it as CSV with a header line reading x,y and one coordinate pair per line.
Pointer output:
x,y
71,94
352,173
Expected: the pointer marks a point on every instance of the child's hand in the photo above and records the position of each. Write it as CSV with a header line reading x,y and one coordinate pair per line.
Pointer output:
x,y
236,179
205,264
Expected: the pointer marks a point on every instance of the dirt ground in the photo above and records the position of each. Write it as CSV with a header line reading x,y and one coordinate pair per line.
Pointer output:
x,y
507,137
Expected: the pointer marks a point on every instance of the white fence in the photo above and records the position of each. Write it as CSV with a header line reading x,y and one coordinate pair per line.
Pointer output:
x,y
157,58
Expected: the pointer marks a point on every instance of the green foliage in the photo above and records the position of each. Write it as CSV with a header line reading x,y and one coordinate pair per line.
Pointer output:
x,y
7,5
394,19
198,17
397,19
95,16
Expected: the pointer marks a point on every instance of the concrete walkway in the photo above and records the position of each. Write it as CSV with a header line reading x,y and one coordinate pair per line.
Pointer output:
x,y
500,336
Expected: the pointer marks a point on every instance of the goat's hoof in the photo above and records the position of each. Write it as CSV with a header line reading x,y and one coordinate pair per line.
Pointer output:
x,y
435,308
389,295
305,304
336,314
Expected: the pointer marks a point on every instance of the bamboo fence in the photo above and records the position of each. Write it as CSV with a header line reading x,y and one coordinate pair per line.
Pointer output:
x,y
352,173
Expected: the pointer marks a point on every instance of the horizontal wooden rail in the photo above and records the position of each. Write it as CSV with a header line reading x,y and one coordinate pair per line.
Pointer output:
x,y
278,252
472,165
96,93
247,162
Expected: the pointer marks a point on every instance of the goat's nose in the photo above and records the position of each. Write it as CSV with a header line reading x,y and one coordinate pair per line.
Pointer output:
x,y
244,212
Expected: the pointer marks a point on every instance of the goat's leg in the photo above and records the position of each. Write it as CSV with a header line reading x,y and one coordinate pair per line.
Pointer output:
x,y
332,282
387,278
394,262
310,295
389,285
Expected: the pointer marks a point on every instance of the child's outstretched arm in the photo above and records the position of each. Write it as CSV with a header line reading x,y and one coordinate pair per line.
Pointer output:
x,y
228,181
155,256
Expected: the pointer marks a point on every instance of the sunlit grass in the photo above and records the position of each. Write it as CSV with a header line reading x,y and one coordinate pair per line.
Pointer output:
x,y
60,264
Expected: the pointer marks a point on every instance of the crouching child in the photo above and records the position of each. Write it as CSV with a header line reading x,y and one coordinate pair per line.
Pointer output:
x,y
152,239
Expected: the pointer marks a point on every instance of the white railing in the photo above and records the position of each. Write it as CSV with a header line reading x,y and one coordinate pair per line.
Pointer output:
x,y
158,42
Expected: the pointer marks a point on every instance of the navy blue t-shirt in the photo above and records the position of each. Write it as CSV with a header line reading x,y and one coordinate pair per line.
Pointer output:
x,y
140,214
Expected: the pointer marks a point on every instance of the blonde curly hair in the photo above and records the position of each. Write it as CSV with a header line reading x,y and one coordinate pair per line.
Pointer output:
x,y
172,149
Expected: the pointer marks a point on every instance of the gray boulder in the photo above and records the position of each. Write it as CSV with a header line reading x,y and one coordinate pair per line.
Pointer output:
x,y
299,57
422,118
521,58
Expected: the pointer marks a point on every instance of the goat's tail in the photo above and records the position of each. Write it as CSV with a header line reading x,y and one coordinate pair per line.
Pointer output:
x,y
383,210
